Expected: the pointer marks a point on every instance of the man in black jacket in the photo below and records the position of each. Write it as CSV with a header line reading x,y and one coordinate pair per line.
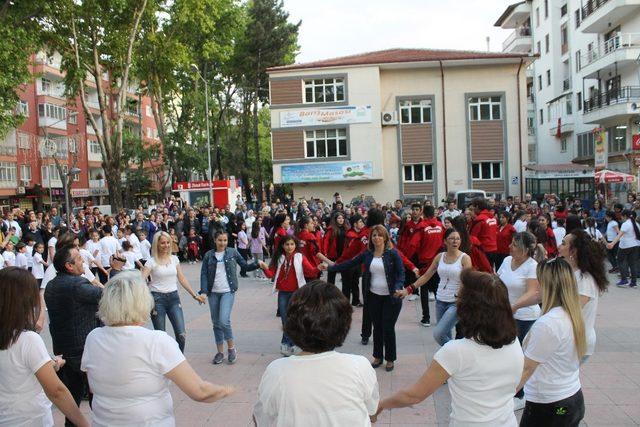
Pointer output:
x,y
72,303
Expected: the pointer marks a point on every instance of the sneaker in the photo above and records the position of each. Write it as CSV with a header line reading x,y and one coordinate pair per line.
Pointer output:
x,y
233,355
425,323
218,358
633,285
286,350
623,283
432,297
518,403
364,340
412,297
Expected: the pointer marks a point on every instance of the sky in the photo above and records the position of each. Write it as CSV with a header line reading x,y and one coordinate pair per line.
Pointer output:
x,y
332,28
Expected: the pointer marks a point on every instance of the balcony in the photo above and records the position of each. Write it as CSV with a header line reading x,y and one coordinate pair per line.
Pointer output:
x,y
564,128
97,183
515,15
519,41
618,54
598,16
94,155
612,106
8,146
51,146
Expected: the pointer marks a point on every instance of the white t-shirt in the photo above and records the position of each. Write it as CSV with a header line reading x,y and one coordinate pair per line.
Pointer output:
x,y
135,243
325,389
29,255
52,242
594,233
550,342
378,278
220,282
21,260
87,258
559,233
164,277
133,391
516,282
145,249
94,249
109,245
131,258
1,262
587,286
9,258
22,400
628,239
38,267
483,381
611,230
520,226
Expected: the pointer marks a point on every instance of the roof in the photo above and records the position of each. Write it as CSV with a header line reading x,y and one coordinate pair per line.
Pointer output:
x,y
390,56
506,13
564,167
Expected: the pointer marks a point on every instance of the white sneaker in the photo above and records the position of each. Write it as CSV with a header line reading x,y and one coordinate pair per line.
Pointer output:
x,y
412,297
431,297
518,403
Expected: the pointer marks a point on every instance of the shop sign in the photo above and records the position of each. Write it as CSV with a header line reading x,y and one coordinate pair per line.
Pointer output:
x,y
80,192
204,185
322,172
98,192
326,116
57,192
635,142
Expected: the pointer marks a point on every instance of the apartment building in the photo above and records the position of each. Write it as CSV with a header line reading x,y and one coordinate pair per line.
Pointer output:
x,y
57,126
400,123
585,84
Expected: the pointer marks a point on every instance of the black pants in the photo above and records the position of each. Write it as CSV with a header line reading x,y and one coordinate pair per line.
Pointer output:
x,y
493,259
384,312
430,286
563,413
331,277
75,380
499,260
366,316
350,285
246,254
612,256
628,262
103,277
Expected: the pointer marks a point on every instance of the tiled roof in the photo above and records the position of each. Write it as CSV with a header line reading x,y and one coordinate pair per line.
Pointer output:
x,y
389,56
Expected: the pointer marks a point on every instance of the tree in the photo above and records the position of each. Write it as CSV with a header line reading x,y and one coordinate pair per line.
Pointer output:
x,y
96,37
269,40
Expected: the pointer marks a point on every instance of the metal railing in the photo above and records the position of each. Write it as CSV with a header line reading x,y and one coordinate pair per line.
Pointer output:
x,y
591,6
612,97
518,32
617,42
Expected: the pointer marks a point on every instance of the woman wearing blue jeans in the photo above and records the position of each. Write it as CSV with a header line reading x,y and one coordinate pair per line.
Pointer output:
x,y
219,282
449,265
164,270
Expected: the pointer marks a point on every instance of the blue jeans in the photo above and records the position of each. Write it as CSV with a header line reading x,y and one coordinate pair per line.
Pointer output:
x,y
220,305
447,317
522,328
283,304
169,304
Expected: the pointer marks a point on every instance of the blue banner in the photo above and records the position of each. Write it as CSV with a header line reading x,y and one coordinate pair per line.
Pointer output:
x,y
322,172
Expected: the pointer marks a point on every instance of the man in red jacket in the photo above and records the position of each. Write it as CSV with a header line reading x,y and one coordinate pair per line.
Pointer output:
x,y
409,238
430,244
485,227
356,240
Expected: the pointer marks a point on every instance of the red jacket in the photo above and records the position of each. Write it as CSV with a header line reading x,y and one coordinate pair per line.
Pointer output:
x,y
479,260
279,234
504,237
287,280
329,245
355,244
309,246
485,228
409,238
551,245
431,240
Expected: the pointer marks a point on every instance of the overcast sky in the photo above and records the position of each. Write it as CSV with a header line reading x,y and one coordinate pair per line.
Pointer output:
x,y
332,28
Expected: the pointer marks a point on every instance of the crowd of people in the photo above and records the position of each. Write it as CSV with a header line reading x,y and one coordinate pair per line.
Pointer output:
x,y
515,285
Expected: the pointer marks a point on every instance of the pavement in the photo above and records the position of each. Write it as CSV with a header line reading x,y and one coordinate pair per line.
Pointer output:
x,y
610,379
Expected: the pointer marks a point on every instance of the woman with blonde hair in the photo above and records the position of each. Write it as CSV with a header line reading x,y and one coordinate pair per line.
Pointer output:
x,y
128,365
553,349
165,272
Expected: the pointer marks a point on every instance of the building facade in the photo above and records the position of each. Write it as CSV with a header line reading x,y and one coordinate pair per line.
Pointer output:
x,y
53,123
400,123
585,84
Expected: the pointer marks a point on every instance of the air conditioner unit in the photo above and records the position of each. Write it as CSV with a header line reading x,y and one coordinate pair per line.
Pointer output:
x,y
389,118
21,190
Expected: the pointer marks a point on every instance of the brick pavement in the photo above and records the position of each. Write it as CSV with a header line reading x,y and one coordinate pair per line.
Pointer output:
x,y
610,379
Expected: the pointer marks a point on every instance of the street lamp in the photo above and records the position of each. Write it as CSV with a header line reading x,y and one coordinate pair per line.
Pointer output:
x,y
195,70
67,197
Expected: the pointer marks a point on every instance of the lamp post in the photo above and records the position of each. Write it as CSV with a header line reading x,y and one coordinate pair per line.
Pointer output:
x,y
195,70
65,187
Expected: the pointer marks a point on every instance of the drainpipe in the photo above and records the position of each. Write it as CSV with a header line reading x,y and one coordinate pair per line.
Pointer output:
x,y
520,129
444,132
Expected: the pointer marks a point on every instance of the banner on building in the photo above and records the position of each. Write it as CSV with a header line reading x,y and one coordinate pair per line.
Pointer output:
x,y
600,148
323,172
635,142
326,116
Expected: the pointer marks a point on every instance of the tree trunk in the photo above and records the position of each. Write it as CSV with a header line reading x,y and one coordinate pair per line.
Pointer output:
x,y
256,140
112,175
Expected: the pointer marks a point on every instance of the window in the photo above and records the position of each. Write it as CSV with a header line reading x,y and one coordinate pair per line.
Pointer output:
x,y
8,172
563,145
25,173
538,47
73,119
546,8
568,106
325,143
73,145
579,96
23,108
149,134
563,10
486,170
52,111
324,90
541,117
548,112
585,144
537,16
418,173
548,77
24,140
564,39
617,139
94,147
539,82
578,61
418,111
487,108
149,112
45,85
546,43
577,17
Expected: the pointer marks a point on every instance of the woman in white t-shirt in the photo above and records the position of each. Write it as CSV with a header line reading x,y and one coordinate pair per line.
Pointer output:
x,y
610,234
482,369
628,249
38,263
553,349
29,383
129,367
165,272
449,266
318,386
586,258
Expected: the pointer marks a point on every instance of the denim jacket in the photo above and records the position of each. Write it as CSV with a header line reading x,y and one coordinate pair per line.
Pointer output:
x,y
393,269
210,264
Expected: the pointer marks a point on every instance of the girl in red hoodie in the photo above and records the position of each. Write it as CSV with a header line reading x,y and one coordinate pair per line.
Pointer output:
x,y
308,243
280,229
334,241
289,269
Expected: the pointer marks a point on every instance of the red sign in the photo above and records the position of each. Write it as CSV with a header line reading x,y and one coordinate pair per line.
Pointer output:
x,y
199,185
635,142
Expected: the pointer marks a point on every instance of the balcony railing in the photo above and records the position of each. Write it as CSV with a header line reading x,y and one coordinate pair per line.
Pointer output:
x,y
617,42
591,6
615,96
518,32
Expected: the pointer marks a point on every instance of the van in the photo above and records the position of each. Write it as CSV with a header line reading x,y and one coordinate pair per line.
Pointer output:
x,y
464,197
